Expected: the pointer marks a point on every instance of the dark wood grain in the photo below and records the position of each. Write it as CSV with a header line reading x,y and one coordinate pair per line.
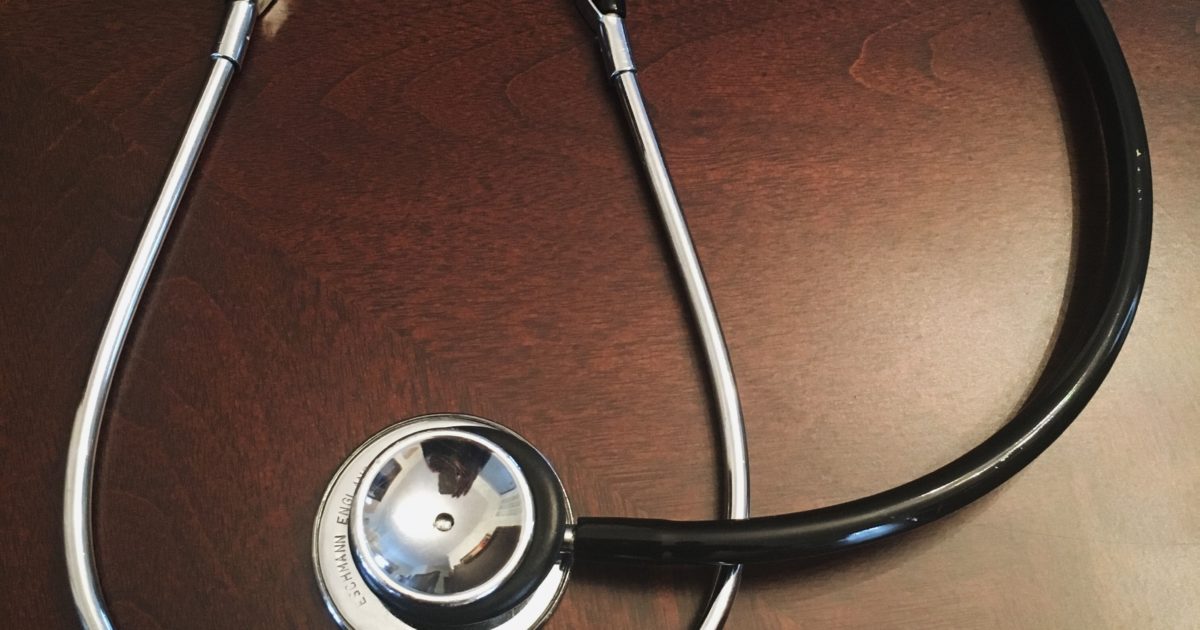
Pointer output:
x,y
415,207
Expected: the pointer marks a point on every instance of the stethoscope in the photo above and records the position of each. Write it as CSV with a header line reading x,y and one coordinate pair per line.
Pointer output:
x,y
453,521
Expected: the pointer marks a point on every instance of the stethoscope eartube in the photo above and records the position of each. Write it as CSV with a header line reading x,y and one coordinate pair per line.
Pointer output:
x,y
449,521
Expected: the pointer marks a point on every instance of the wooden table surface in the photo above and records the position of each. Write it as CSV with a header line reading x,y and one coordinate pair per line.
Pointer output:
x,y
432,206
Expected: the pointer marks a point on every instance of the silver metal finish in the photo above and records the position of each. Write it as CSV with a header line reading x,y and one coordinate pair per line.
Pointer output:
x,y
736,471
235,37
418,558
436,512
568,542
615,45
347,591
85,435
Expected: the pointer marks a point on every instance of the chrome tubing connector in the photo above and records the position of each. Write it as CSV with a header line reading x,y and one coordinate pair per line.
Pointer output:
x,y
235,37
607,21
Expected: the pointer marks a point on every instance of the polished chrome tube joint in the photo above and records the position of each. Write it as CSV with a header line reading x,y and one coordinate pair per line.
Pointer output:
x,y
235,37
614,43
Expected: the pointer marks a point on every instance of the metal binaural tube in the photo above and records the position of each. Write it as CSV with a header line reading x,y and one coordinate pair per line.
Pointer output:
x,y
736,472
85,434
736,469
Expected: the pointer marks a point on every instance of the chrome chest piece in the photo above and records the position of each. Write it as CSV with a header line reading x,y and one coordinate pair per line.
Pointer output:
x,y
443,521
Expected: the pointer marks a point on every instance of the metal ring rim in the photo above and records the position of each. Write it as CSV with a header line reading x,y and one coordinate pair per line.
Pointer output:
x,y
372,614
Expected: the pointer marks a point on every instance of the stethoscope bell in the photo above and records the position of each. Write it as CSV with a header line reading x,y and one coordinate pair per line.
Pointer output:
x,y
443,521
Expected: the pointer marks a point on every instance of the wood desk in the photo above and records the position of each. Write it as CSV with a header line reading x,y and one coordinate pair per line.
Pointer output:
x,y
431,206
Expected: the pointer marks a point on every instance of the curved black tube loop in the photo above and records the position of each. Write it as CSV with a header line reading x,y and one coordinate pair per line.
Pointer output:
x,y
1058,399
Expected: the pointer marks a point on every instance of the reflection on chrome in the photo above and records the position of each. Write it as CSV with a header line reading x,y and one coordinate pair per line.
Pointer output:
x,y
441,516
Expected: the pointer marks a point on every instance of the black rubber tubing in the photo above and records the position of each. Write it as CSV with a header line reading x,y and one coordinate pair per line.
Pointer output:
x,y
1060,397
